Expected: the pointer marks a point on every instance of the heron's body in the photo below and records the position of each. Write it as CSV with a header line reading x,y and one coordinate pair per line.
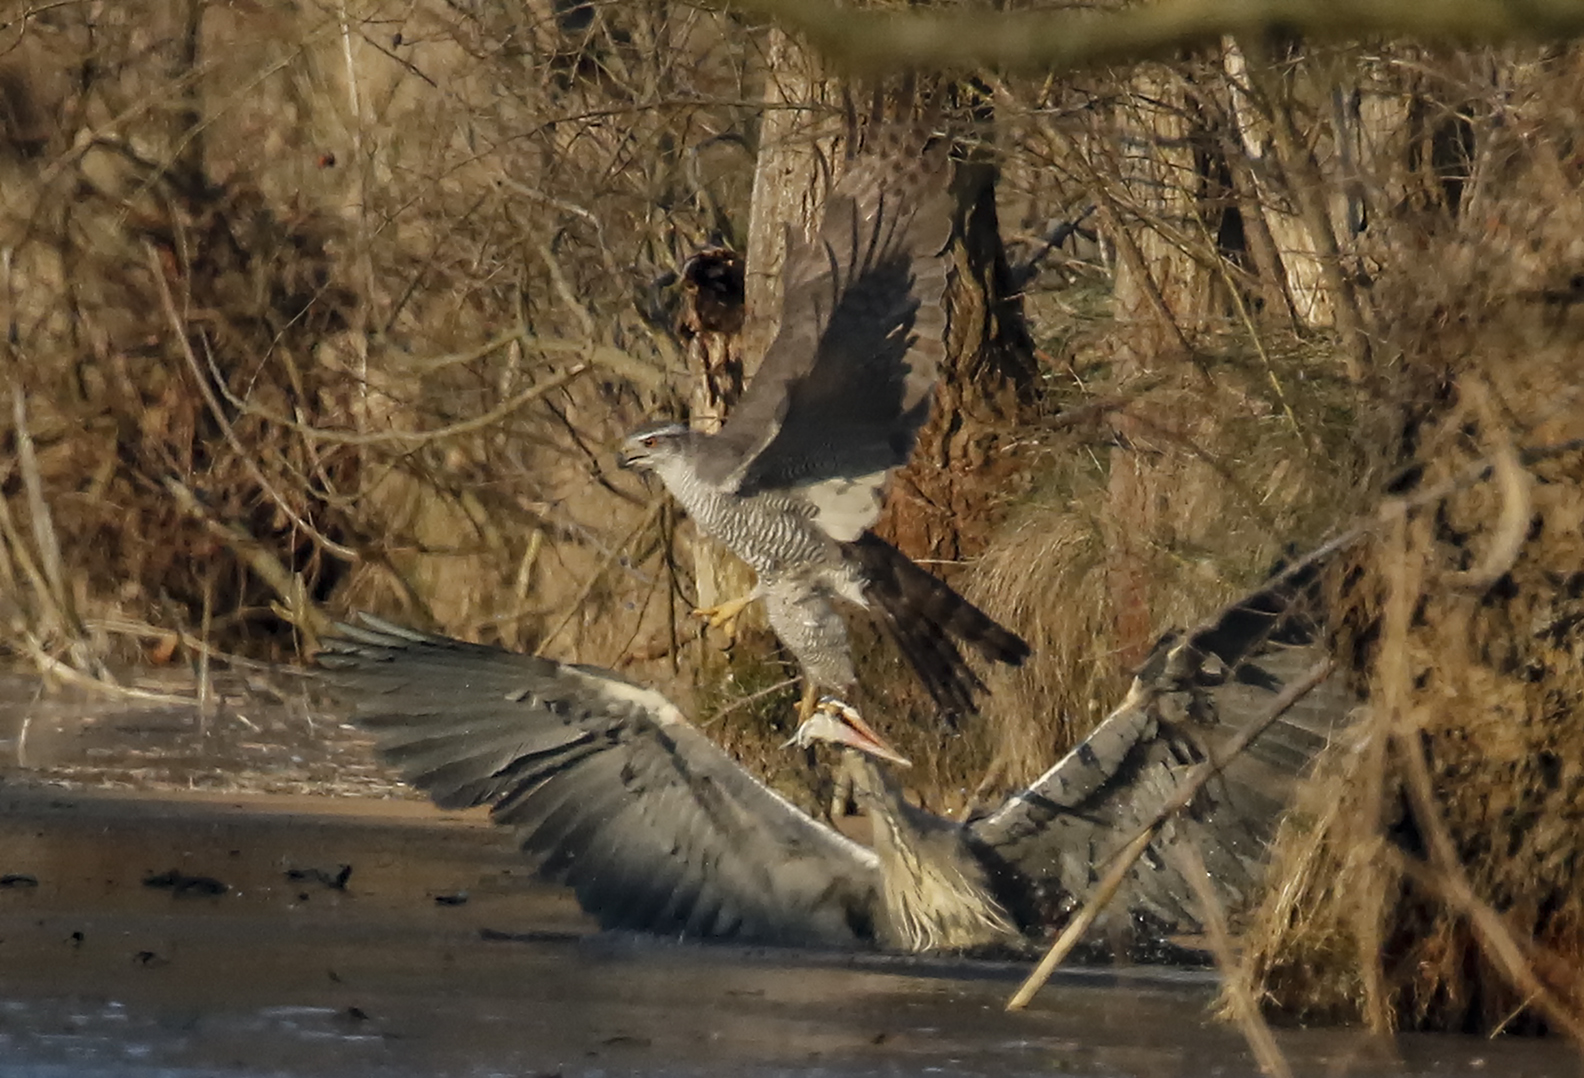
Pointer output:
x,y
936,894
612,792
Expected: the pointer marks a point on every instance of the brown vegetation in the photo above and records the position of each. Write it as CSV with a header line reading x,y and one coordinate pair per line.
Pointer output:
x,y
321,308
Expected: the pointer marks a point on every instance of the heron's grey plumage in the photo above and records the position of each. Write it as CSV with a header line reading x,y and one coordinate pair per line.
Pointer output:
x,y
792,481
610,790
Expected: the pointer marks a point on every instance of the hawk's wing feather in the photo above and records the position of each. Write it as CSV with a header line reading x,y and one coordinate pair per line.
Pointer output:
x,y
607,787
848,380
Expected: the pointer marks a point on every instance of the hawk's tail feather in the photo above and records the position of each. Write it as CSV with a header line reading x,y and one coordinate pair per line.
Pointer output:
x,y
924,615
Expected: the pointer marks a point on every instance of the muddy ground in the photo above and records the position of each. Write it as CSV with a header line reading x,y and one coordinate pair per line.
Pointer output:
x,y
245,893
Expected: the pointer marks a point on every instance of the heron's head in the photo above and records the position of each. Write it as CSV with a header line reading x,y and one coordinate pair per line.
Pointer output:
x,y
840,724
651,447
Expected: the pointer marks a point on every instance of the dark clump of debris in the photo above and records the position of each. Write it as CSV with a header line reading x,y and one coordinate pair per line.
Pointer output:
x,y
183,885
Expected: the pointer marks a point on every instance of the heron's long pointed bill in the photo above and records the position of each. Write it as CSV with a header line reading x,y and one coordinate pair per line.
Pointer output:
x,y
841,725
860,735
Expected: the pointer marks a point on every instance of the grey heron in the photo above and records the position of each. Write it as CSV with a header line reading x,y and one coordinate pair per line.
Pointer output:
x,y
611,791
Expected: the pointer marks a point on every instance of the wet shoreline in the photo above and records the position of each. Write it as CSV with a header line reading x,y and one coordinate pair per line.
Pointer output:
x,y
247,893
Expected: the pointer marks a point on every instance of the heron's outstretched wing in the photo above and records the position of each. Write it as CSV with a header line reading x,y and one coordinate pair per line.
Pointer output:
x,y
1194,695
848,380
609,789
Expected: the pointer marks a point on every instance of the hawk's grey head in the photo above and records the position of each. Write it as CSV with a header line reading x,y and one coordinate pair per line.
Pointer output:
x,y
657,447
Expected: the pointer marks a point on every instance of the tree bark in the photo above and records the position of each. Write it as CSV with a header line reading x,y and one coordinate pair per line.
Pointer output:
x,y
1161,295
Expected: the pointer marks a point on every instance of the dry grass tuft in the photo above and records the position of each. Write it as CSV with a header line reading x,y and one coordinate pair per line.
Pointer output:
x,y
1244,479
1432,878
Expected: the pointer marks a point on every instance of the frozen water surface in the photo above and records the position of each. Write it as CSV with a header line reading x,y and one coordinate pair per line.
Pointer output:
x,y
146,931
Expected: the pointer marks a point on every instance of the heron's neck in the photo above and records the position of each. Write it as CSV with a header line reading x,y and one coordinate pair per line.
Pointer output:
x,y
936,894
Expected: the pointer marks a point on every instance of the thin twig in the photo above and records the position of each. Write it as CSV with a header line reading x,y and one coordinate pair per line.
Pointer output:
x,y
576,606
1256,1031
746,700
157,267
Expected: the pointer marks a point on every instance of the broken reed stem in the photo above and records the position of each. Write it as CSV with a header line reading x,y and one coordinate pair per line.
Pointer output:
x,y
1121,865
1256,1031
1122,861
1404,578
1512,528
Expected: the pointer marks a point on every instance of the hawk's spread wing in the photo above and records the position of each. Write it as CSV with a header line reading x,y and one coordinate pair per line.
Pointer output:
x,y
608,788
848,380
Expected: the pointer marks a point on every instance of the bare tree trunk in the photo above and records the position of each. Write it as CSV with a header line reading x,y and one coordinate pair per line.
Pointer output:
x,y
1307,235
1161,297
788,189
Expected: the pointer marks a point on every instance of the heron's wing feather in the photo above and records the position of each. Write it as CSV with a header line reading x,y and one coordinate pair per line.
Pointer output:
x,y
847,382
1193,697
607,787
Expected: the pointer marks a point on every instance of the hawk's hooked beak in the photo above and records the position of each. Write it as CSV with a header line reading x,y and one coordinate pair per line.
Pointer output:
x,y
632,457
840,724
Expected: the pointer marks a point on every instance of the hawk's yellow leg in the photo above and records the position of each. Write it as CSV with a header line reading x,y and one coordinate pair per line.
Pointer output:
x,y
724,616
806,704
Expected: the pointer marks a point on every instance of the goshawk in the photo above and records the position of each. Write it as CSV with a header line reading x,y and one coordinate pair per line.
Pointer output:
x,y
792,481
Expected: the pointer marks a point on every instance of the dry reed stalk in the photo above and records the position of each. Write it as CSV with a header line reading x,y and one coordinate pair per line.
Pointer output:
x,y
1246,1012
50,616
1122,863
